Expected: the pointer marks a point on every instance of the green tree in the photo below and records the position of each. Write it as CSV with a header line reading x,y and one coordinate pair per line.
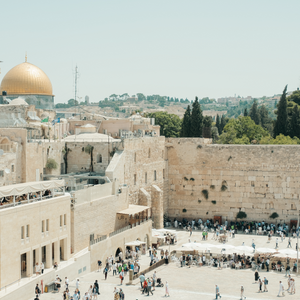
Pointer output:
x,y
295,97
280,140
254,113
186,123
281,122
242,131
207,124
72,102
170,124
246,112
265,121
196,119
294,123
223,123
141,96
218,124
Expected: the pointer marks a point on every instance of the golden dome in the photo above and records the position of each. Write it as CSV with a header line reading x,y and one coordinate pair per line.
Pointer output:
x,y
26,79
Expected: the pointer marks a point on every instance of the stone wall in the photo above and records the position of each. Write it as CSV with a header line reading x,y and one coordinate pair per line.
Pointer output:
x,y
257,179
95,212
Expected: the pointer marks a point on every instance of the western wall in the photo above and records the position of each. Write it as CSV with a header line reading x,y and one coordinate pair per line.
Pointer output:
x,y
208,181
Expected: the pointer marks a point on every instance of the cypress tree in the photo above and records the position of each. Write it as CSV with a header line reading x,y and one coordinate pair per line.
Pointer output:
x,y
264,116
218,124
196,119
254,114
186,123
294,123
281,122
246,112
223,123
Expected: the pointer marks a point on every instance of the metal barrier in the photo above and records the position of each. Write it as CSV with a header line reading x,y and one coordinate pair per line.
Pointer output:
x,y
154,266
101,238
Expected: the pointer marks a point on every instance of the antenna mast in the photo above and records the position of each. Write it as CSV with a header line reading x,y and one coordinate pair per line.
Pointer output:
x,y
76,75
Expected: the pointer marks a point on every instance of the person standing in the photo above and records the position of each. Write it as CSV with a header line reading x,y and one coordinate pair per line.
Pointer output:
x,y
289,243
281,289
99,265
260,285
287,271
37,290
276,246
267,264
77,284
154,280
37,269
114,269
218,292
167,290
67,283
142,279
122,276
42,267
96,284
293,290
265,284
242,293
191,231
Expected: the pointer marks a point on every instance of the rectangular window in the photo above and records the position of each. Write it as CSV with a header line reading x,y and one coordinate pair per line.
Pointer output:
x,y
60,220
146,177
22,233
27,230
134,179
154,175
43,226
12,168
65,219
149,153
47,225
135,157
1,173
163,173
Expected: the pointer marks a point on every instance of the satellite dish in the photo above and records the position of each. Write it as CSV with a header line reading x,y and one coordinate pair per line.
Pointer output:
x,y
7,171
1,152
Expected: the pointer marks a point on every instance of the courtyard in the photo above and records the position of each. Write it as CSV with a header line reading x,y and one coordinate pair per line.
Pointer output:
x,y
194,282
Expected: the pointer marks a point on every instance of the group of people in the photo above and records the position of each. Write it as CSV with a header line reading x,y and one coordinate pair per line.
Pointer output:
x,y
19,199
91,294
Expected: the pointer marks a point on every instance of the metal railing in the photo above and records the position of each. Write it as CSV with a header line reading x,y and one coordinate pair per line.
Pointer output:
x,y
152,267
101,238
104,237
27,201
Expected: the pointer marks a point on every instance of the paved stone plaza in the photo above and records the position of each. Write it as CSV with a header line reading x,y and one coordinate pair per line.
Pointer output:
x,y
195,282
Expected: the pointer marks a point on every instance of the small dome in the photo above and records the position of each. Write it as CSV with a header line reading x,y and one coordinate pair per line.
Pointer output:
x,y
26,79
18,101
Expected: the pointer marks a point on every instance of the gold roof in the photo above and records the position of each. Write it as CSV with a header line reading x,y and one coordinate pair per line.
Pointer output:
x,y
26,79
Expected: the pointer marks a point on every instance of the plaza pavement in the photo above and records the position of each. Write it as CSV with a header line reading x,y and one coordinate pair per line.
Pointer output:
x,y
195,282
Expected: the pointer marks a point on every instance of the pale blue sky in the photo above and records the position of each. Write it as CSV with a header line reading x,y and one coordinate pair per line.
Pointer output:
x,y
174,48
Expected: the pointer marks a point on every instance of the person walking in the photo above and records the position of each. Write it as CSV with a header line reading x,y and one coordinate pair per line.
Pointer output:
x,y
99,265
256,276
218,292
191,231
37,290
96,284
289,283
242,293
276,246
167,290
265,284
293,290
287,270
67,283
145,284
289,243
114,269
149,287
154,280
105,272
281,289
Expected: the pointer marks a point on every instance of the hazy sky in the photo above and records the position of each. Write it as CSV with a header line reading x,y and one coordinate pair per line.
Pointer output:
x,y
174,48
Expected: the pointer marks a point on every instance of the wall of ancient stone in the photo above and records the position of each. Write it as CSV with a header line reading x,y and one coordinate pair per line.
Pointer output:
x,y
257,179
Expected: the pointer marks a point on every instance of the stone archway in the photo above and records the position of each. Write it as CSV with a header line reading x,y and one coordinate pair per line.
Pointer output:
x,y
117,253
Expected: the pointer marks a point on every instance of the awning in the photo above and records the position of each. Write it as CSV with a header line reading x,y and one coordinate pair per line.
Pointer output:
x,y
133,209
30,187
135,243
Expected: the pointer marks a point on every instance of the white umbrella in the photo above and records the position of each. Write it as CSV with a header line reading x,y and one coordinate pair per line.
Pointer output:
x,y
198,246
185,249
288,252
265,250
283,255
225,246
244,248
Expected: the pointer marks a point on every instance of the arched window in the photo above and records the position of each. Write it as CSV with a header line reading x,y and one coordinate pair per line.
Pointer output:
x,y
99,158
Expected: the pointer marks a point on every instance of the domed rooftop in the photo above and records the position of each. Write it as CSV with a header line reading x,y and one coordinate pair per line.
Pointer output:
x,y
18,101
26,79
